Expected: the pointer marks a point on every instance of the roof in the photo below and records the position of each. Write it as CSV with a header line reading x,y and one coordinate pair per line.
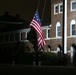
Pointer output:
x,y
9,18
10,23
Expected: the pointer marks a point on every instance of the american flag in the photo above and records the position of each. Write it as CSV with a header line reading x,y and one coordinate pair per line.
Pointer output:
x,y
36,24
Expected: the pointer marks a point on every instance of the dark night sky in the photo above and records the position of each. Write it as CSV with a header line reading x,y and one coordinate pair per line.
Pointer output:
x,y
26,8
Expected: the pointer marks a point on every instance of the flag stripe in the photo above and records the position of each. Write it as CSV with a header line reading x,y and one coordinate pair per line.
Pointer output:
x,y
41,41
36,24
37,29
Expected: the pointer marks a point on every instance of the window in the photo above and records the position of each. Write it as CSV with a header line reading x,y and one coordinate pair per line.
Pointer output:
x,y
48,33
58,29
23,36
72,28
44,33
26,33
58,8
73,5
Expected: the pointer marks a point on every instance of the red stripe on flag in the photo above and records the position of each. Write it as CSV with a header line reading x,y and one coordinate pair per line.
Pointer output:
x,y
35,23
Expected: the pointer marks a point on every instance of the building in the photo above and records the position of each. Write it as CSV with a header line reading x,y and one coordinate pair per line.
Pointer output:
x,y
57,26
13,31
13,36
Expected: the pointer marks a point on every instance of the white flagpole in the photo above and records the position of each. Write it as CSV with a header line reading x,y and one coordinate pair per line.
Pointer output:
x,y
64,33
65,27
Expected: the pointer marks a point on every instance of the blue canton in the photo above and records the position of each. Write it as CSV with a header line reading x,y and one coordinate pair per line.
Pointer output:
x,y
36,17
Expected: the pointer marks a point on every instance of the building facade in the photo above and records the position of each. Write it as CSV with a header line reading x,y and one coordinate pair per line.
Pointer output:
x,y
14,30
57,27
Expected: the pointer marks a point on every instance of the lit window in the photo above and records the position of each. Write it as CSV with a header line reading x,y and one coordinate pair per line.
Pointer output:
x,y
72,28
58,29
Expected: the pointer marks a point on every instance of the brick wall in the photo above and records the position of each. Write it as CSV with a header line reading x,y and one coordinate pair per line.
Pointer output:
x,y
58,18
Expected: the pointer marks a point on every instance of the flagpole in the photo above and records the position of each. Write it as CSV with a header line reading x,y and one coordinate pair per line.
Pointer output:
x,y
36,43
38,52
64,31
43,11
38,5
